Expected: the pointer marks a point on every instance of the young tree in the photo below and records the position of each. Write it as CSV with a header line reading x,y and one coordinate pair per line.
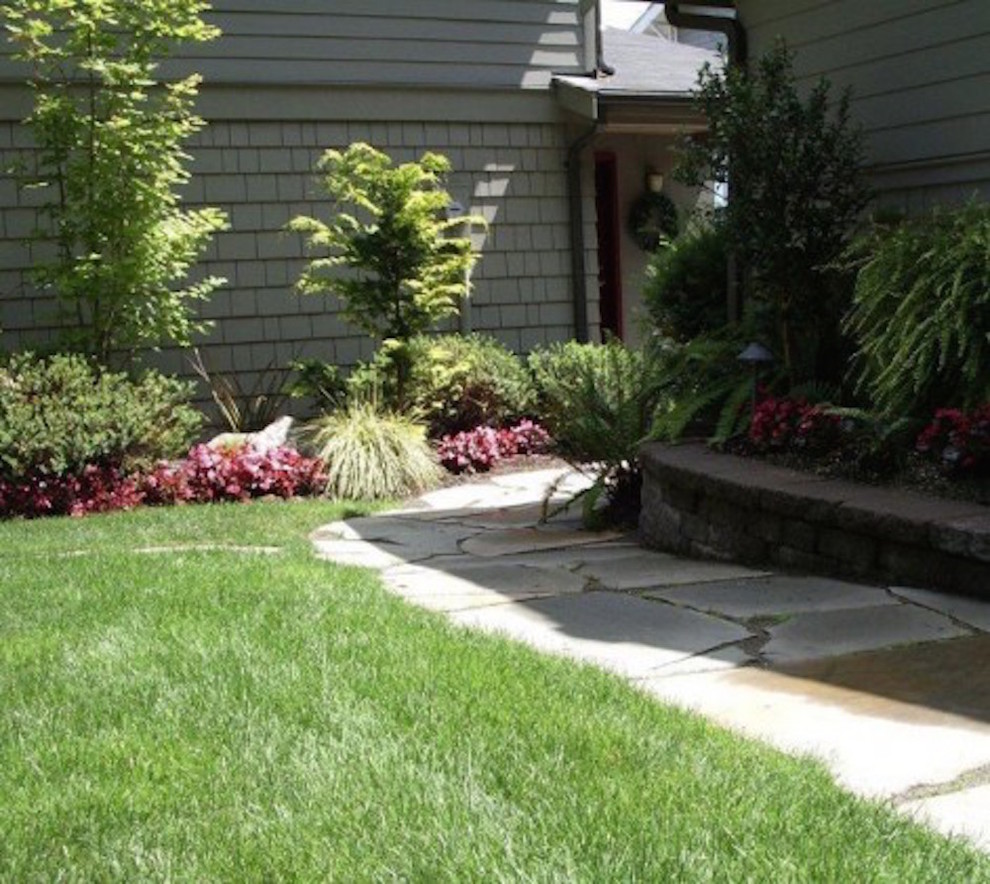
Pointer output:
x,y
109,158
396,261
797,191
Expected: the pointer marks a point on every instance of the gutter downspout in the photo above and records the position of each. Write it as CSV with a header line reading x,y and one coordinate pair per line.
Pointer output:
x,y
602,67
579,280
578,269
728,25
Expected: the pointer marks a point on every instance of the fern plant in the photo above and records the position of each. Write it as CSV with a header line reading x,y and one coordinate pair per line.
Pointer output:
x,y
598,402
921,312
707,388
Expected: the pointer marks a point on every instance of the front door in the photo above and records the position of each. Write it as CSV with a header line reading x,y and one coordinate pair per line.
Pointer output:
x,y
609,271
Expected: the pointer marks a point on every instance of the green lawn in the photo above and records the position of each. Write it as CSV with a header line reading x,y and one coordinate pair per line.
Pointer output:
x,y
217,715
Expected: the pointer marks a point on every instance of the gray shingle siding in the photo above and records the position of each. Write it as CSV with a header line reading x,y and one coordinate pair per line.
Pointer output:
x,y
468,79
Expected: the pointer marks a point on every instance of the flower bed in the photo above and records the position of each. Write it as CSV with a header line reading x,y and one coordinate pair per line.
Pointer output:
x,y
205,475
480,449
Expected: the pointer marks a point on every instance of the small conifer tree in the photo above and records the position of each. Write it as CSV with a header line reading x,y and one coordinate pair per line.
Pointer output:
x,y
395,259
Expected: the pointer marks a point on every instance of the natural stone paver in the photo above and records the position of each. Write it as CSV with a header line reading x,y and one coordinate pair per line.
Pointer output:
x,y
470,585
907,721
525,515
643,569
957,813
567,480
465,498
972,611
355,552
620,633
832,633
782,594
949,676
406,538
872,745
518,540
209,547
569,559
722,659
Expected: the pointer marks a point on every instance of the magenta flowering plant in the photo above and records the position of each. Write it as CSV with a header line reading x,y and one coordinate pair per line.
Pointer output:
x,y
958,440
94,489
529,438
780,424
203,476
478,450
217,474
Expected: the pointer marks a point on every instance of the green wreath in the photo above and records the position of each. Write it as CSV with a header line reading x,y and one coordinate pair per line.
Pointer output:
x,y
653,221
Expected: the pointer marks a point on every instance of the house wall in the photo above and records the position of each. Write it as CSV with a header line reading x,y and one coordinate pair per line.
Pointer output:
x,y
273,110
634,155
920,79
476,43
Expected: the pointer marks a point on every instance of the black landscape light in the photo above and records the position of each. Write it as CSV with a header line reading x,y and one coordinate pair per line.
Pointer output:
x,y
754,356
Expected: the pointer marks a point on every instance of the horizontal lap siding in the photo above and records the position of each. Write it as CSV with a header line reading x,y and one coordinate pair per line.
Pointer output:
x,y
919,71
473,43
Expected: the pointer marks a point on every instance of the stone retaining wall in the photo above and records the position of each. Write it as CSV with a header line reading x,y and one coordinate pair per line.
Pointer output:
x,y
698,502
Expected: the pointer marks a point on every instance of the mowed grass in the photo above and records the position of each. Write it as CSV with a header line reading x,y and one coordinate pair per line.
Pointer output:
x,y
221,715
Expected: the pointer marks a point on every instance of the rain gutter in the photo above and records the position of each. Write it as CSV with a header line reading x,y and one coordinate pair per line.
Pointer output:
x,y
693,17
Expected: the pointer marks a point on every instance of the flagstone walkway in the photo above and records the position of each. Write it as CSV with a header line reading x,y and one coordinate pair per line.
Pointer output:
x,y
889,686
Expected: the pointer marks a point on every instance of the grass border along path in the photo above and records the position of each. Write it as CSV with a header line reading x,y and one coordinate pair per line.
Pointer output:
x,y
220,714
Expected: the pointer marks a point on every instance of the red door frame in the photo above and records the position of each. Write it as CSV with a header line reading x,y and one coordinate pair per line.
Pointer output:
x,y
609,236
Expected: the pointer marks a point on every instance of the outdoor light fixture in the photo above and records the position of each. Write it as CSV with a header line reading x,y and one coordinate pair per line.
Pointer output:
x,y
654,180
754,356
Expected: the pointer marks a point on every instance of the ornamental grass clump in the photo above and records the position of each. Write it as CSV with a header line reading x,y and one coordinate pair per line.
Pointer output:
x,y
371,454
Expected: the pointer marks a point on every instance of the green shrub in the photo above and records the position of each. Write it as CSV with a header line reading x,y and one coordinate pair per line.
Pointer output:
x,y
456,382
370,454
686,284
461,381
598,402
58,415
795,160
921,313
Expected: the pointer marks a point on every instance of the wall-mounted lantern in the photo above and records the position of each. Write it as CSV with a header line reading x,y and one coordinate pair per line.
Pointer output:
x,y
654,180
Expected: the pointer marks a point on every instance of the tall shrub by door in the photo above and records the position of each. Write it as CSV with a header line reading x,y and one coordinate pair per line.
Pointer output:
x,y
798,189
